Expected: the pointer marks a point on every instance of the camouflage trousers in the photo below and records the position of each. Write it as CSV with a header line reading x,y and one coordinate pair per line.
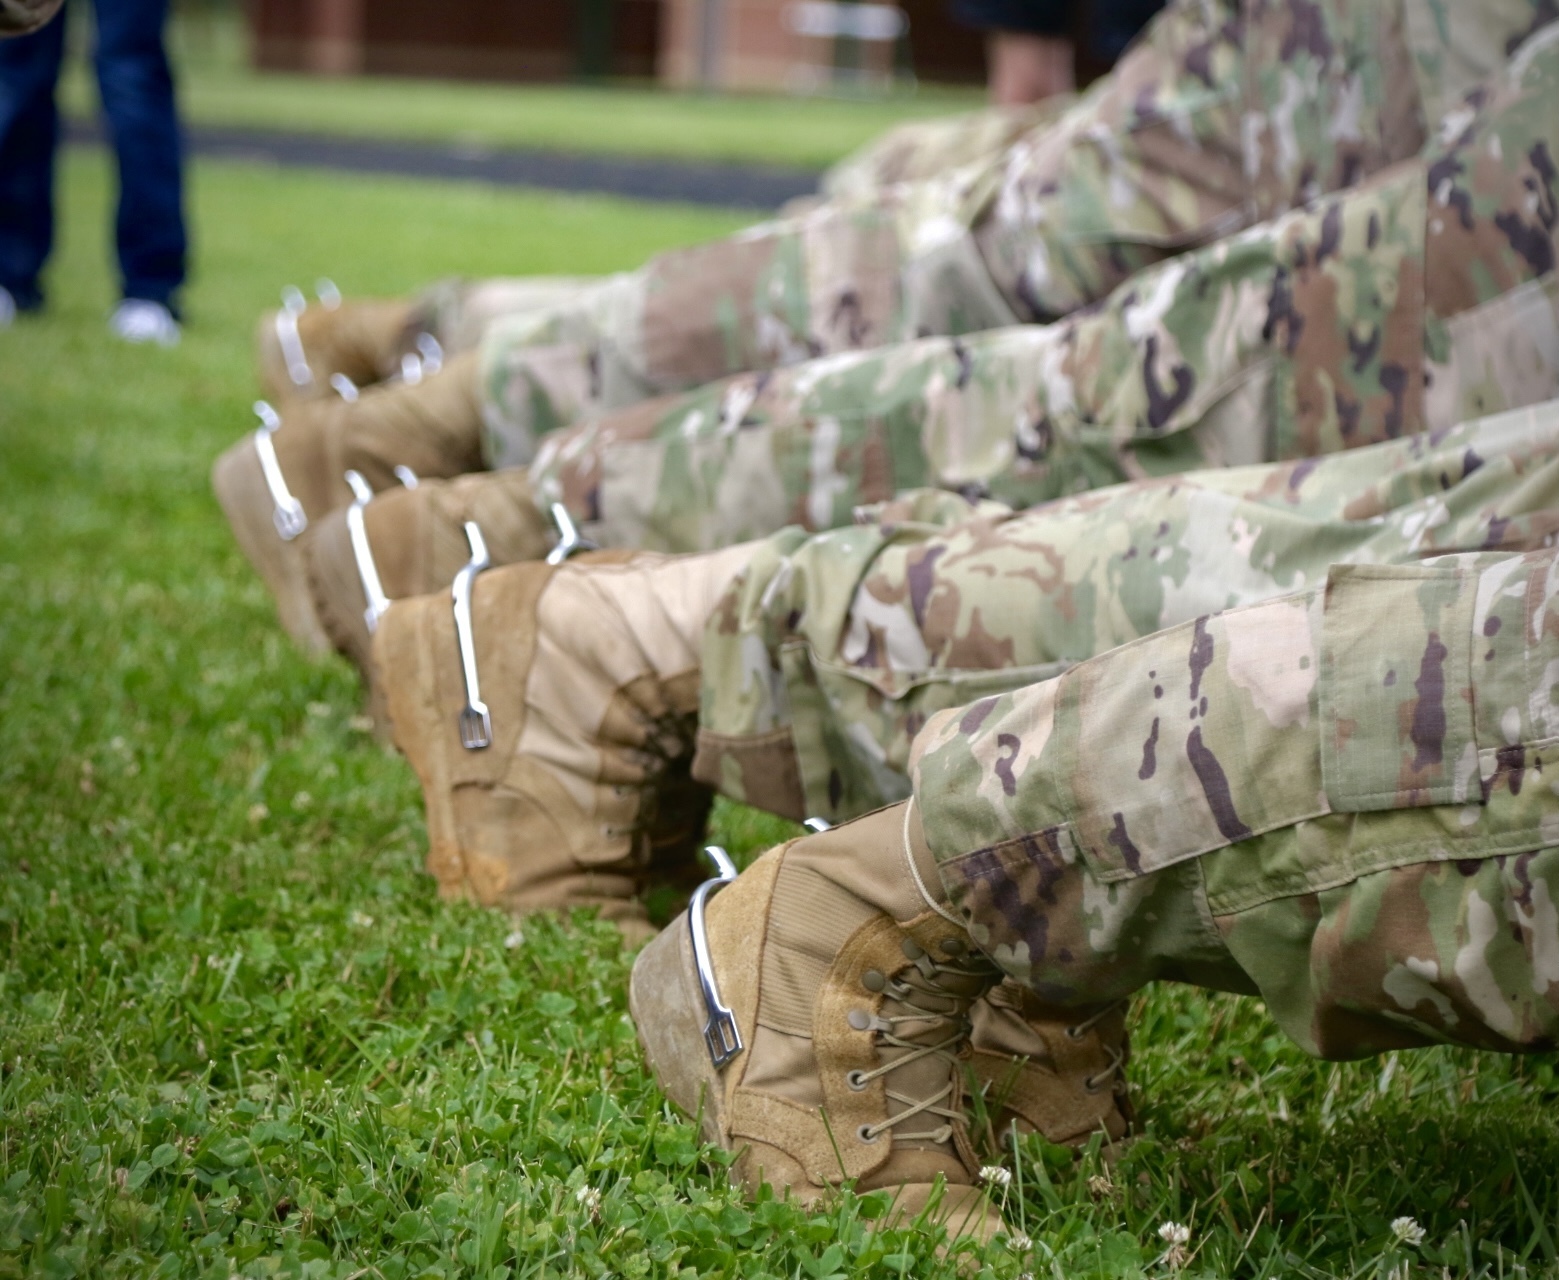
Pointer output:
x,y
1424,298
457,312
1224,113
830,652
1335,799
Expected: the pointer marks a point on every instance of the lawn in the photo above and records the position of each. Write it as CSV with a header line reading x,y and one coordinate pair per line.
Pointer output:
x,y
217,87
238,1034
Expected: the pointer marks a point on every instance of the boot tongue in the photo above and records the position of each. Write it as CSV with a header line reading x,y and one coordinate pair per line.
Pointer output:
x,y
925,1013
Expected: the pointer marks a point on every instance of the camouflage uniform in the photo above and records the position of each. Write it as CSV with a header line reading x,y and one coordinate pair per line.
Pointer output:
x,y
1335,799
828,654
1422,299
1225,112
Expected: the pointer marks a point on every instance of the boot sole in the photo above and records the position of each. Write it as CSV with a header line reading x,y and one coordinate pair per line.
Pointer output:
x,y
240,487
666,1005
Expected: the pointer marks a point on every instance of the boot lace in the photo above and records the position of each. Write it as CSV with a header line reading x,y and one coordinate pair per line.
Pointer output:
x,y
930,996
1078,1030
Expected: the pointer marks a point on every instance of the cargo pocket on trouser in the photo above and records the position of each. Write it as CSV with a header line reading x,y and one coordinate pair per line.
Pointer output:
x,y
1415,912
1502,354
853,726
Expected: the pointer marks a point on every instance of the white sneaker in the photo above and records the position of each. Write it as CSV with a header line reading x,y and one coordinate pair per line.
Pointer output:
x,y
137,320
7,308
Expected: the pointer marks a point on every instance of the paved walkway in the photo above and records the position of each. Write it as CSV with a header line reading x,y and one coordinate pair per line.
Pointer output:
x,y
692,182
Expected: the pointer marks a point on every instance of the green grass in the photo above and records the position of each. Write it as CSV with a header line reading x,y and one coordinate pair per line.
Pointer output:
x,y
218,88
238,1034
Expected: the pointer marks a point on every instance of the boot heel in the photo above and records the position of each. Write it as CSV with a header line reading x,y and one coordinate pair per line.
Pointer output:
x,y
667,1009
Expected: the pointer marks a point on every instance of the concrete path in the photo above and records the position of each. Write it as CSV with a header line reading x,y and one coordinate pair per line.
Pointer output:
x,y
691,182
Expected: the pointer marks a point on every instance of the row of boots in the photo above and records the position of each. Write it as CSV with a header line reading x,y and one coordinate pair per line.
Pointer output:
x,y
825,1016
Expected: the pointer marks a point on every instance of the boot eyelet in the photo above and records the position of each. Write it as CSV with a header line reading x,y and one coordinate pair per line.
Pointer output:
x,y
873,980
865,1134
1092,1084
1075,1033
855,1079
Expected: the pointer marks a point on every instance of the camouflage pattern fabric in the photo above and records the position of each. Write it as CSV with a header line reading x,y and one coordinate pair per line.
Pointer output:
x,y
1335,799
458,312
1224,112
18,17
829,653
924,150
1424,298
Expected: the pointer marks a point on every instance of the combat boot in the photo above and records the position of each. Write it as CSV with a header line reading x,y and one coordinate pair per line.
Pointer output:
x,y
1056,1073
277,482
571,789
411,541
816,1015
310,350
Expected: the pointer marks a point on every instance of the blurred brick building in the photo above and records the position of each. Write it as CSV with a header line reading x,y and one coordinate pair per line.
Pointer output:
x,y
729,44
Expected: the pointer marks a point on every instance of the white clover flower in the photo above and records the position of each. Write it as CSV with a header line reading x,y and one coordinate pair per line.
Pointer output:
x,y
1174,1233
1019,1242
515,940
358,920
1407,1231
996,1176
590,1199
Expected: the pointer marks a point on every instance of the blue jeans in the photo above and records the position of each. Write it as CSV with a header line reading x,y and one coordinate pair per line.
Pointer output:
x,y
137,92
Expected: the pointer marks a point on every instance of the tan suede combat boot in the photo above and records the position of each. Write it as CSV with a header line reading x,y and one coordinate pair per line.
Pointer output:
x,y
1044,1071
411,541
568,785
310,350
278,481
824,1033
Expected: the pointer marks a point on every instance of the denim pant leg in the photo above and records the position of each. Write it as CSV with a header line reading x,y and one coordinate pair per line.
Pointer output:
x,y
137,90
29,133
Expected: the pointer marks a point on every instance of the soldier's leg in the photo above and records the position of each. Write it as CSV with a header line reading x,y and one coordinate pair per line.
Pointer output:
x,y
334,345
828,654
1333,800
1422,300
305,350
1150,163
1314,333
405,542
278,483
1222,115
820,658
925,150
548,712
1329,798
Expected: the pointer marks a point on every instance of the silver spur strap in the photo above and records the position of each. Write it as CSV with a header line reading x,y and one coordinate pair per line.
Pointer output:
x,y
406,476
293,305
570,541
344,387
328,293
476,725
362,552
721,1036
432,353
287,516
